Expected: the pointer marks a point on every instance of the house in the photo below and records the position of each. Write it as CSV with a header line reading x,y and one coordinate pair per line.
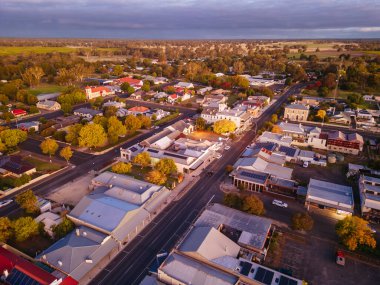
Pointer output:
x,y
214,101
48,105
15,270
204,90
369,188
158,113
161,95
14,165
311,101
27,126
260,100
138,110
219,74
63,122
18,113
275,138
296,112
87,113
115,104
98,91
330,196
346,143
137,95
48,96
186,85
49,220
221,249
135,83
369,98
79,252
173,98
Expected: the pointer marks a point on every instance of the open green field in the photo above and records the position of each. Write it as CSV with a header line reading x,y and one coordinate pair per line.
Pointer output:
x,y
4,51
41,165
375,52
340,93
46,88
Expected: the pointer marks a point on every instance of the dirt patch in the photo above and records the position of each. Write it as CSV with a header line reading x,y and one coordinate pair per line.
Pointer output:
x,y
204,135
333,172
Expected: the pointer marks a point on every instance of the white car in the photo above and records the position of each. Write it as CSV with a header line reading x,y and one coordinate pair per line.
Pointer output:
x,y
280,203
5,203
305,164
227,147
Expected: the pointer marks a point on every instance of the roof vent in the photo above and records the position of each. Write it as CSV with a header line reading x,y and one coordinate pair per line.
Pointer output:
x,y
60,263
77,231
44,257
88,260
84,234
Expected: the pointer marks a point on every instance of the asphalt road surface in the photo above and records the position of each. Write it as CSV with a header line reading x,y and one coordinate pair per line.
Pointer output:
x,y
130,265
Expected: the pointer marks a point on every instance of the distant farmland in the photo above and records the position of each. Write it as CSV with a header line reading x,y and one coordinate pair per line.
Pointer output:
x,y
10,50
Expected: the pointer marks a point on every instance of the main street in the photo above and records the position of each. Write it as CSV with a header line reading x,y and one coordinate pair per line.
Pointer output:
x,y
130,265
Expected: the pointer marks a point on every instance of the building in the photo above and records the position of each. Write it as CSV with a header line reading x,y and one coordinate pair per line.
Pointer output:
x,y
161,95
221,249
49,220
115,104
369,188
296,112
158,113
331,196
241,118
48,105
98,91
78,253
186,85
311,101
87,113
138,110
14,165
27,126
345,143
135,83
250,180
19,113
204,90
15,270
118,205
214,101
279,139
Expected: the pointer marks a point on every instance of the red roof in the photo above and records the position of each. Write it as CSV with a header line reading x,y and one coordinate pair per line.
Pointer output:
x,y
9,260
18,112
174,96
129,80
139,109
69,281
98,89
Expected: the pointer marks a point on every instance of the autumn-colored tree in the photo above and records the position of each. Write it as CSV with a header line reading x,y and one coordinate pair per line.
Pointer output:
x,y
24,228
121,168
229,168
155,177
238,67
12,137
354,231
5,229
253,205
302,221
276,129
63,228
321,114
166,166
32,76
132,123
72,135
115,129
28,201
49,146
274,118
200,124
233,200
92,135
224,126
143,159
146,122
66,153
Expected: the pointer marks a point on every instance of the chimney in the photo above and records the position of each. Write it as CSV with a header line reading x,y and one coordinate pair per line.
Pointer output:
x,y
60,263
84,234
89,260
77,231
5,273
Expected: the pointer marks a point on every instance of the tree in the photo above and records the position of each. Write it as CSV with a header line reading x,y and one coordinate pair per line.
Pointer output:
x,y
166,166
132,123
238,67
72,135
117,70
66,153
354,231
28,201
32,76
229,168
329,81
224,126
92,135
302,221
24,228
155,177
142,159
115,129
233,200
66,108
110,111
49,146
253,205
321,114
5,229
274,118
146,122
125,86
276,129
63,228
146,86
121,168
200,124
12,137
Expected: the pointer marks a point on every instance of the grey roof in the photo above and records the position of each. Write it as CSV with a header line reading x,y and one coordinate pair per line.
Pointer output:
x,y
297,106
189,271
70,253
216,214
208,243
92,112
251,176
48,96
330,194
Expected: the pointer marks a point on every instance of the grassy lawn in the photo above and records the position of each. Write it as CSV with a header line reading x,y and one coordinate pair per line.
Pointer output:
x,y
4,51
166,119
121,140
374,52
339,94
46,88
43,166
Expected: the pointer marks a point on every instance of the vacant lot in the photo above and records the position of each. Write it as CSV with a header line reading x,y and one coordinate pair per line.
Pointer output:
x,y
43,166
204,135
332,172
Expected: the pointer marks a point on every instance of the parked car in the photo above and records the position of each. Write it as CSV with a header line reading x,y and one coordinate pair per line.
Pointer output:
x,y
340,259
305,164
5,203
227,147
280,203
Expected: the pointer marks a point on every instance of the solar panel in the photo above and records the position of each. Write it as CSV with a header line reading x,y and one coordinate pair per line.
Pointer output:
x,y
153,150
253,175
264,276
245,268
286,281
287,150
175,155
133,149
17,277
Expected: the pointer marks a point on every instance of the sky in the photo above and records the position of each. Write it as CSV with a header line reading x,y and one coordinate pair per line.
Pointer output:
x,y
190,19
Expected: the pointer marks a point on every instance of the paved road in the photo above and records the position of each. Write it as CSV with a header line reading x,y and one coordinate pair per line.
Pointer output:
x,y
130,265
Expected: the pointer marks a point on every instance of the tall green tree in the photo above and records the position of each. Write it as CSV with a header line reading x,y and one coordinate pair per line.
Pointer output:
x,y
121,168
63,228
12,137
5,229
24,228
72,135
166,166
253,205
32,76
28,201
115,129
200,124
